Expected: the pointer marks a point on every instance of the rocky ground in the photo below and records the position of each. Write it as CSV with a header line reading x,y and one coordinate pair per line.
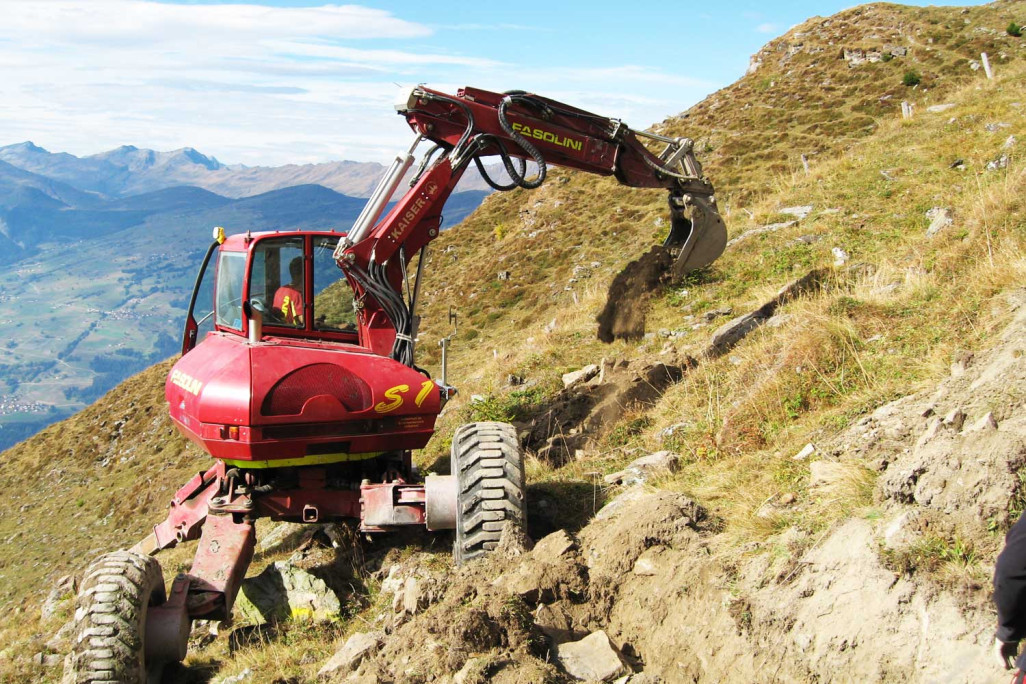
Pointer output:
x,y
642,593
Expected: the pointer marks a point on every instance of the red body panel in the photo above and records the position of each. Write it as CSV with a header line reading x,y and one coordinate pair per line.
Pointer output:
x,y
299,393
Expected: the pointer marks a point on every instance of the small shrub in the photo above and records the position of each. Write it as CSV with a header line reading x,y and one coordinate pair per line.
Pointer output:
x,y
911,78
1014,30
506,408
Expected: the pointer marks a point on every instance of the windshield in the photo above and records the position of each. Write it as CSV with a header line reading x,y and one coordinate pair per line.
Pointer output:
x,y
231,266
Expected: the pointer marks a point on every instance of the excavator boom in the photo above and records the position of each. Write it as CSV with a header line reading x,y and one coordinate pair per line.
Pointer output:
x,y
517,127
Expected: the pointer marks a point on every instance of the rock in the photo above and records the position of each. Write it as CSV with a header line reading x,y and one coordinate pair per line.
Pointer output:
x,y
235,679
393,582
807,450
47,660
64,590
348,658
808,239
955,419
840,256
621,502
798,212
932,428
940,218
995,127
937,108
854,57
730,333
716,313
283,591
666,433
642,469
579,376
412,596
1009,143
998,164
551,547
771,228
649,562
593,658
504,275
898,533
960,363
986,423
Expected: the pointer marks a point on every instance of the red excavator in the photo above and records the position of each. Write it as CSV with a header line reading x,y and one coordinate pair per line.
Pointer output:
x,y
306,392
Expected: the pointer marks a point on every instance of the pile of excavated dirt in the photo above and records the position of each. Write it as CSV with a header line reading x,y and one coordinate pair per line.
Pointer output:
x,y
653,583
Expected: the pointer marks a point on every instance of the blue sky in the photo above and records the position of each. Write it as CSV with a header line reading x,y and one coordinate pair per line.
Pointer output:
x,y
279,82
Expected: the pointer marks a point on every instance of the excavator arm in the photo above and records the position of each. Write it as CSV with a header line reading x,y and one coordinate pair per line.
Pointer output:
x,y
516,127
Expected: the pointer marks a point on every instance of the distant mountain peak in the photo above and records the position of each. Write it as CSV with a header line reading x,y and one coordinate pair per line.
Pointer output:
x,y
24,147
197,157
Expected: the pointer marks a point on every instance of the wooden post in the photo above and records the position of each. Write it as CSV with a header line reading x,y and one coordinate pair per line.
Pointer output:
x,y
805,163
906,110
986,65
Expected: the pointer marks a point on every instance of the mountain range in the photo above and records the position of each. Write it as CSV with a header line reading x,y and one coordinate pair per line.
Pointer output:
x,y
129,170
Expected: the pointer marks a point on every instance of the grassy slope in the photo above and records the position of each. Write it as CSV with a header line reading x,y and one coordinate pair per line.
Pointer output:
x,y
864,340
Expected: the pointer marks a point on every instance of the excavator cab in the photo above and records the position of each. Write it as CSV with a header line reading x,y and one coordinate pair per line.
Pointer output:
x,y
283,284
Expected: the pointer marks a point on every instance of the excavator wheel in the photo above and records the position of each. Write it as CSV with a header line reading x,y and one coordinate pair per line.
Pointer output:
x,y
489,470
110,621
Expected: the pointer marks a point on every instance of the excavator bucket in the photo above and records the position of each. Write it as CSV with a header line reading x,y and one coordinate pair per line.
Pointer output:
x,y
697,230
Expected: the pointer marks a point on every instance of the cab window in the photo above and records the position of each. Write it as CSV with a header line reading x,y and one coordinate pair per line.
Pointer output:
x,y
334,309
278,281
231,266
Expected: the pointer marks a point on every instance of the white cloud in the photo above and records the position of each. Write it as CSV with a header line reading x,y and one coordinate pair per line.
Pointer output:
x,y
767,28
153,24
264,85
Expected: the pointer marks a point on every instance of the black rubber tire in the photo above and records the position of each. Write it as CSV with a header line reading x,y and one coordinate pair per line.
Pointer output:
x,y
489,470
110,620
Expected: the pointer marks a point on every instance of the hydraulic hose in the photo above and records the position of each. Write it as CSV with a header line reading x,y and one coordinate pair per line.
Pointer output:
x,y
518,178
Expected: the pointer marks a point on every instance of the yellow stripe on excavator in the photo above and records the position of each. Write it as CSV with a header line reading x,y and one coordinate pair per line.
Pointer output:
x,y
313,459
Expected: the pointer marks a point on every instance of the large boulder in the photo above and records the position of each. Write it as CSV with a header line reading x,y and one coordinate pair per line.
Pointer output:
x,y
593,658
283,591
